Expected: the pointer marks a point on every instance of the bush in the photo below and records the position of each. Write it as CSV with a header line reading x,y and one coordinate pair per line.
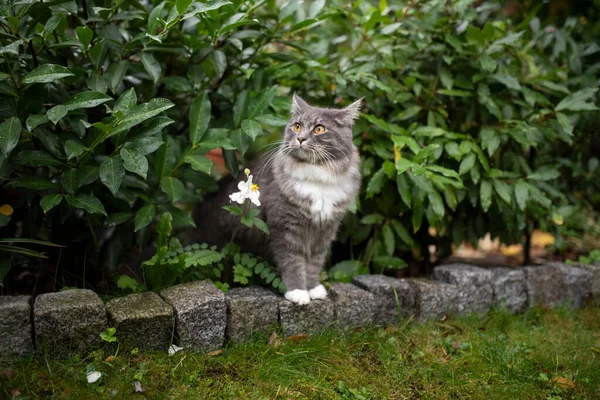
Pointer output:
x,y
108,111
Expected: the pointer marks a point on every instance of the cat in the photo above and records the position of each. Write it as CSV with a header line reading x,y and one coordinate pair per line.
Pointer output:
x,y
306,186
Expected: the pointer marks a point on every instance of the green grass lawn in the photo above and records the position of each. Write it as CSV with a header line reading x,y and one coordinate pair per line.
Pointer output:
x,y
539,355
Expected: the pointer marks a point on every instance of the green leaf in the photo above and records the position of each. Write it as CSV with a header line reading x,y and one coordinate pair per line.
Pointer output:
x,y
260,224
145,145
476,34
455,92
262,102
437,203
182,5
388,239
240,107
372,219
199,162
36,158
134,161
488,63
403,165
578,101
50,201
35,120
402,233
545,173
522,193
172,187
389,262
86,175
485,194
565,123
404,189
126,101
272,120
88,202
155,17
376,183
142,113
47,73
116,72
10,132
144,216
200,112
151,65
85,35
112,174
509,81
73,149
86,100
503,191
251,128
467,163
57,113
408,113
200,8
30,182
69,180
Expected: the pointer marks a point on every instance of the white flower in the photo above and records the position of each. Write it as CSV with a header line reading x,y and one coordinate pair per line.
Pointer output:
x,y
248,190
174,349
93,376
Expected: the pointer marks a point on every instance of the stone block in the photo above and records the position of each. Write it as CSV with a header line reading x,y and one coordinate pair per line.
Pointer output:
x,y
15,326
250,310
578,283
393,298
69,322
545,285
305,319
143,320
595,271
475,292
510,289
353,306
434,299
200,314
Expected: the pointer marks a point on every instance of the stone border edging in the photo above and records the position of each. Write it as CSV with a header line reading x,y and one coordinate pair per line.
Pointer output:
x,y
202,318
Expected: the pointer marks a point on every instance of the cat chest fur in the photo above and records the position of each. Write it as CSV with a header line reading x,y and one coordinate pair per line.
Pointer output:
x,y
325,190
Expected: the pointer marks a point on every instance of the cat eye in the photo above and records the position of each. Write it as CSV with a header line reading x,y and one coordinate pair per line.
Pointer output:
x,y
319,129
297,127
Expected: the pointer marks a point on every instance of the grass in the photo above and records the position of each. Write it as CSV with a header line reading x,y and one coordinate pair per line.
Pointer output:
x,y
543,354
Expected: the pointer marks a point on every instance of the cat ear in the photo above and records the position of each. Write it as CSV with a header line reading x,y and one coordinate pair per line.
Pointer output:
x,y
350,113
298,105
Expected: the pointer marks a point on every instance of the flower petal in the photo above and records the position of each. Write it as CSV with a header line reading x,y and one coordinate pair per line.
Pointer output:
x,y
238,197
254,198
242,186
174,349
93,376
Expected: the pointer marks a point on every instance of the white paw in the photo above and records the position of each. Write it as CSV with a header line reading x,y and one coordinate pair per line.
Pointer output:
x,y
318,292
298,296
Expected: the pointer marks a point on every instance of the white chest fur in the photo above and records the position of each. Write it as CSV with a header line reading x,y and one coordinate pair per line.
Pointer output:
x,y
323,188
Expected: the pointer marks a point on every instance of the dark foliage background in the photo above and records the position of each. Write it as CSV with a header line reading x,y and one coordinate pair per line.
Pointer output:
x,y
480,116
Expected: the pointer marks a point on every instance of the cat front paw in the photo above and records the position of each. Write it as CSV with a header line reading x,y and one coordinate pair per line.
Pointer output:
x,y
298,296
318,292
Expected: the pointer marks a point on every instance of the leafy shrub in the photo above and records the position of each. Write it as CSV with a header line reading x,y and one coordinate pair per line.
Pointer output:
x,y
108,111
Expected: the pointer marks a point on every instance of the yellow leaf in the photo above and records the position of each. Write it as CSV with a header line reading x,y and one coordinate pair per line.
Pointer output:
x,y
564,383
214,353
397,155
6,209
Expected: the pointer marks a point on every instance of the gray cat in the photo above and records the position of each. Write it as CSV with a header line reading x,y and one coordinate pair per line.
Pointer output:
x,y
305,187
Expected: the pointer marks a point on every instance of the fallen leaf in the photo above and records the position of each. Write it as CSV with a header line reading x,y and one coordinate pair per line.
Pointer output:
x,y
215,353
109,359
138,387
564,383
297,338
174,349
595,350
274,340
14,393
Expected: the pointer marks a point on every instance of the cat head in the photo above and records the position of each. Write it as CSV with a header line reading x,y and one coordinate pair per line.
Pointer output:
x,y
320,135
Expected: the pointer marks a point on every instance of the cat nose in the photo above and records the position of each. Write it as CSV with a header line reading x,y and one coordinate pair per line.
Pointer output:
x,y
300,140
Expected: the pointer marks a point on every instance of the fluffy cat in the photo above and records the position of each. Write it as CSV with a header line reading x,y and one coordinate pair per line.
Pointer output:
x,y
306,186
